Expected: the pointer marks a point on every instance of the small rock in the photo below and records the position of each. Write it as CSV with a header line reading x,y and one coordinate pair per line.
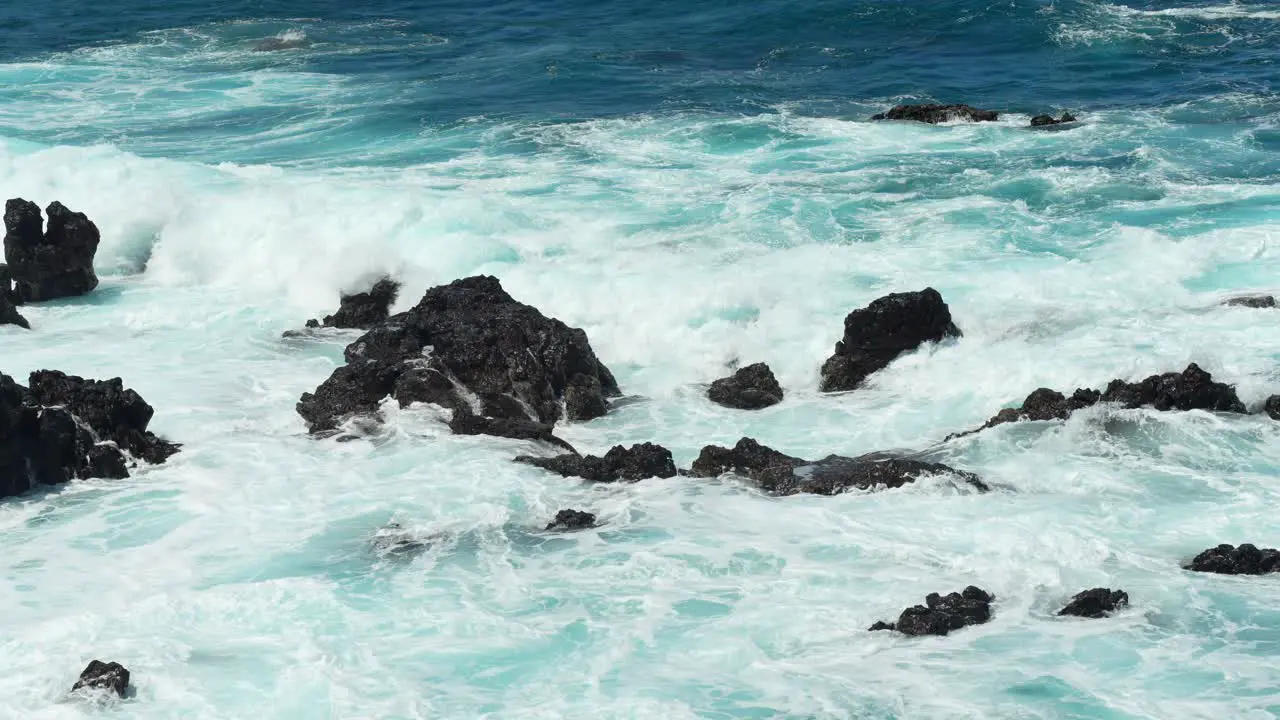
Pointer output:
x,y
1252,301
638,462
942,614
876,335
572,520
751,388
1230,560
934,114
363,310
104,676
882,625
1096,603
1044,120
1272,408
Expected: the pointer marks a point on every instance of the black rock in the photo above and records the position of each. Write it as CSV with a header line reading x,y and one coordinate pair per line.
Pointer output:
x,y
584,398
882,625
1044,120
1230,560
104,676
1272,408
8,308
1191,389
876,335
67,427
641,461
782,474
51,264
937,113
1252,301
572,520
484,344
363,310
942,614
751,388
468,423
1096,603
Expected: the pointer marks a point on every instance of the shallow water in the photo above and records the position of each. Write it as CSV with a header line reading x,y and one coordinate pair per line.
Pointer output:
x,y
693,187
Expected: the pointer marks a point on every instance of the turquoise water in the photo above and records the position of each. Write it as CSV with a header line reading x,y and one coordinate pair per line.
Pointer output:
x,y
693,185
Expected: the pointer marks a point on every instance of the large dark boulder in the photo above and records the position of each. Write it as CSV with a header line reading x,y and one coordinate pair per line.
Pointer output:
x,y
934,114
1047,120
362,310
55,263
876,335
466,345
104,676
572,520
1191,389
66,427
638,462
783,474
1230,560
1096,603
751,388
1272,407
942,614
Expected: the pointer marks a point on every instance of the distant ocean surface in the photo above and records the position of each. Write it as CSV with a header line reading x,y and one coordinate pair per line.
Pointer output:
x,y
695,184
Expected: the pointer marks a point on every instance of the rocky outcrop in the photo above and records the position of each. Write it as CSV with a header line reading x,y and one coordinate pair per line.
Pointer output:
x,y
876,335
1047,120
1252,301
1230,560
67,427
783,474
49,263
1096,603
751,388
572,520
8,309
362,310
934,114
1191,389
471,347
620,464
112,677
942,614
1272,407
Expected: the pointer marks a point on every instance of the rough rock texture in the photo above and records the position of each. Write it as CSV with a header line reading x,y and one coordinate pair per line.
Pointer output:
x,y
8,310
104,676
937,113
1252,301
363,310
1191,389
641,461
1231,560
751,388
1272,408
110,410
783,474
1096,603
65,428
466,345
467,423
1044,120
940,615
572,520
876,335
51,264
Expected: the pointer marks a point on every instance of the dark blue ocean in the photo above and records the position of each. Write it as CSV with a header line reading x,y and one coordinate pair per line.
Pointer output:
x,y
696,185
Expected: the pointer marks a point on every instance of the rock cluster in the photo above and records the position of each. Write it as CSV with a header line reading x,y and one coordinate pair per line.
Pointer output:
x,y
934,114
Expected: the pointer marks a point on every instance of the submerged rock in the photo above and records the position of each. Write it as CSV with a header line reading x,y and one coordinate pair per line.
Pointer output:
x,y
876,335
783,474
942,614
362,310
393,541
67,427
572,520
1230,560
1191,389
1252,301
467,423
53,263
1046,120
638,462
934,114
468,346
104,676
1096,603
751,388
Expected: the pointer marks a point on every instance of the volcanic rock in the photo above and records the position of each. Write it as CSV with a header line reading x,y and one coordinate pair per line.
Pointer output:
x,y
876,335
751,388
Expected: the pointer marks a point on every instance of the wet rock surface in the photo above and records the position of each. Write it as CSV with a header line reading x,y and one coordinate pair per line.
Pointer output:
x,y
620,464
751,388
46,264
878,334
934,114
362,310
942,614
1047,120
1252,301
572,520
1096,603
1246,559
110,676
